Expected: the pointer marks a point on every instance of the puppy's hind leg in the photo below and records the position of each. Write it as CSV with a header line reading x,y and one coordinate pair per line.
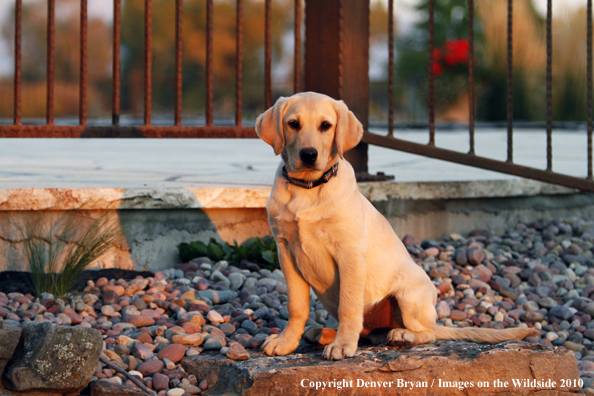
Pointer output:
x,y
418,316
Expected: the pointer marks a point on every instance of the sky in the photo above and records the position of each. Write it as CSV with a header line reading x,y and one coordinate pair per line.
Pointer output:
x,y
404,13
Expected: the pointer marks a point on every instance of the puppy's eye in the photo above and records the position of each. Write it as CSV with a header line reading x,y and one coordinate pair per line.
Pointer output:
x,y
325,126
294,124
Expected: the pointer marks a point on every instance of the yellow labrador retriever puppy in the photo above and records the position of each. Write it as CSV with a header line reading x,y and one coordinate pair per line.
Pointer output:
x,y
330,237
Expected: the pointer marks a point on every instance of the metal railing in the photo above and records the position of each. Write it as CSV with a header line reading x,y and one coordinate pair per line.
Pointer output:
x,y
343,9
146,130
470,158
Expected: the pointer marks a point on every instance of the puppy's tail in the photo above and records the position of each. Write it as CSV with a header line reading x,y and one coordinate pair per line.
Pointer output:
x,y
483,335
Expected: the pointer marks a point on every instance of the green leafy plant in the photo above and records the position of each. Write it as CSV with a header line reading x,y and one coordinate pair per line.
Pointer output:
x,y
58,248
261,251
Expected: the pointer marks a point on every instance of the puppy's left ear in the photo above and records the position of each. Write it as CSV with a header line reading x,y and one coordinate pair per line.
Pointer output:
x,y
348,129
269,125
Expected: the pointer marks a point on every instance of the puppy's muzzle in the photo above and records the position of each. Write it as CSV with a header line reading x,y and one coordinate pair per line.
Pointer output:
x,y
308,155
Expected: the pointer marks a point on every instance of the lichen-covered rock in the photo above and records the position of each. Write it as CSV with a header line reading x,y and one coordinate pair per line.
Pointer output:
x,y
54,358
9,339
444,368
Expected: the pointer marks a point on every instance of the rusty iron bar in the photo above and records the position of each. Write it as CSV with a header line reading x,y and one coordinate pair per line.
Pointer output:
x,y
297,56
471,76
391,67
115,90
18,16
148,64
510,93
126,374
51,49
238,63
431,76
178,61
341,48
117,131
209,76
267,56
549,85
478,162
82,101
589,87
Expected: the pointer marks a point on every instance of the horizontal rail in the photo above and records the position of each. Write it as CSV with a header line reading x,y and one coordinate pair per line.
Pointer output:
x,y
116,131
478,162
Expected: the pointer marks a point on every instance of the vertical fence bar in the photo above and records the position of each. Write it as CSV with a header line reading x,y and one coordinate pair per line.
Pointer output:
x,y
238,63
549,85
51,45
209,77
267,57
297,57
82,100
148,66
390,67
341,50
589,82
178,61
115,90
471,75
431,77
18,16
510,93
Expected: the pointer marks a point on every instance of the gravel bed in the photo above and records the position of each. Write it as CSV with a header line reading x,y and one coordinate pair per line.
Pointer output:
x,y
538,275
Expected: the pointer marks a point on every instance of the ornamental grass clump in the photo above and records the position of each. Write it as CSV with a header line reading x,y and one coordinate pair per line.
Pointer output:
x,y
58,248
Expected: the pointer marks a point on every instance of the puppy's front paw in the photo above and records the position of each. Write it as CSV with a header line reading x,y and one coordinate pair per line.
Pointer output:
x,y
278,346
340,350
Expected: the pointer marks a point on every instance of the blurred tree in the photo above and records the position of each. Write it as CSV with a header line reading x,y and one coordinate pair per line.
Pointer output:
x,y
67,57
194,54
529,59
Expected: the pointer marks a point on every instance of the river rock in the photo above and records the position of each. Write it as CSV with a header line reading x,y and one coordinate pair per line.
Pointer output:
x,y
237,352
173,352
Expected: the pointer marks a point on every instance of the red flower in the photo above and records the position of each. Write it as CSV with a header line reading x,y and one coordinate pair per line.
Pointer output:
x,y
456,52
437,69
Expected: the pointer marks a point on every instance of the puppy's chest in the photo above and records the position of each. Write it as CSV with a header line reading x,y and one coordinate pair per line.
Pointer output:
x,y
312,249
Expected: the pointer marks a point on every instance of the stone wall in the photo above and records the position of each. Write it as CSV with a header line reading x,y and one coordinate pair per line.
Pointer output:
x,y
155,221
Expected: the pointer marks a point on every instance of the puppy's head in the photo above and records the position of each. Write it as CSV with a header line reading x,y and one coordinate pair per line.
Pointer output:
x,y
309,130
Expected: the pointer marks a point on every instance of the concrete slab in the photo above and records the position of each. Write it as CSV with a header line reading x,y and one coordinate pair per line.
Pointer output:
x,y
138,163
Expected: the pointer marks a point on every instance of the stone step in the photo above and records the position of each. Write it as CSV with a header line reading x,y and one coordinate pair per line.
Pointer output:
x,y
444,368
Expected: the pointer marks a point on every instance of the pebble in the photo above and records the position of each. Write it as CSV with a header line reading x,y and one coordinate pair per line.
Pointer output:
x,y
140,320
151,366
214,316
160,382
189,340
141,351
237,352
443,310
172,352
214,344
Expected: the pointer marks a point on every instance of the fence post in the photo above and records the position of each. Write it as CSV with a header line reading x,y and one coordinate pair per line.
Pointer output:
x,y
337,59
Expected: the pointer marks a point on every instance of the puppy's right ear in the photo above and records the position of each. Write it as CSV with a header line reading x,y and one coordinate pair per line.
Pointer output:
x,y
269,126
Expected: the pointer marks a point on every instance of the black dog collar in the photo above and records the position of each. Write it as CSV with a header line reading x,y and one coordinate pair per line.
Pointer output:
x,y
314,183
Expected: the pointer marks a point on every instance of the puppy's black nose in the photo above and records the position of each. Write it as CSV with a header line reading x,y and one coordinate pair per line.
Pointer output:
x,y
308,155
